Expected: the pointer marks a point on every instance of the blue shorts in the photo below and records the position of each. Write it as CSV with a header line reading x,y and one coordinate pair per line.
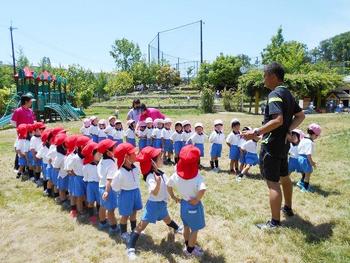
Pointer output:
x,y
79,189
192,216
49,170
100,139
62,183
215,151
293,165
22,161
30,158
94,138
157,143
242,157
155,211
119,141
142,143
112,200
168,146
200,146
131,141
304,164
110,137
54,175
251,158
129,201
178,146
234,153
92,192
44,170
149,142
71,184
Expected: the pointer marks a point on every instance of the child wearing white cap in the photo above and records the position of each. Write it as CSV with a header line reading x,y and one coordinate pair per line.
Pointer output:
x,y
141,133
187,130
157,133
149,131
130,132
110,129
85,129
119,133
232,141
242,152
177,139
198,138
166,141
101,130
93,130
216,138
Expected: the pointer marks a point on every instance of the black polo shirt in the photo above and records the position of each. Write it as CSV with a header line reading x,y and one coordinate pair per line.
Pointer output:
x,y
280,101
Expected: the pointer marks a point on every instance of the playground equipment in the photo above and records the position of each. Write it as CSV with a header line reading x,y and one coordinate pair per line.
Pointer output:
x,y
50,93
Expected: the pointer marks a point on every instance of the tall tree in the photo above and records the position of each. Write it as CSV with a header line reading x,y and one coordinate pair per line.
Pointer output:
x,y
45,64
21,61
125,53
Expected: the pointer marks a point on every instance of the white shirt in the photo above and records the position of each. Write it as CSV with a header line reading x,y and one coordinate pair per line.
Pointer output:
x,y
250,146
176,137
157,133
188,189
129,133
101,133
85,130
142,134
126,179
241,142
118,135
68,164
90,173
186,135
166,134
306,147
233,139
42,154
77,165
197,138
35,143
93,130
149,132
218,138
22,146
58,163
163,191
293,151
51,154
106,169
110,131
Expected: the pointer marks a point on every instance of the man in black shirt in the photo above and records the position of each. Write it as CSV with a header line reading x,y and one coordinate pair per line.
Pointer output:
x,y
282,115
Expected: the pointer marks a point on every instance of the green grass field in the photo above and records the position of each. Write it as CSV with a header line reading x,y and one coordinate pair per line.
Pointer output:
x,y
34,229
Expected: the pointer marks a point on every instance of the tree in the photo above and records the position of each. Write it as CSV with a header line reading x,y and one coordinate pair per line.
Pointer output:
x,y
101,82
335,49
189,72
140,72
120,84
125,53
21,61
45,64
6,76
168,76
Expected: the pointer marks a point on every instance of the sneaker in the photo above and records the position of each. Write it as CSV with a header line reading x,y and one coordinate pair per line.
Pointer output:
x,y
32,179
114,231
18,176
198,248
239,178
287,211
45,193
125,237
195,253
186,253
131,254
180,230
267,226
308,190
300,184
73,213
102,226
93,220
39,183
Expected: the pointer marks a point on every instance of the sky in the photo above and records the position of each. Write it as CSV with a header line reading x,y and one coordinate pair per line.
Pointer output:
x,y
82,32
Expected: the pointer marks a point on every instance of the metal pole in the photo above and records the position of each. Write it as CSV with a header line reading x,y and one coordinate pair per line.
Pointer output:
x,y
149,54
201,39
178,64
13,51
158,49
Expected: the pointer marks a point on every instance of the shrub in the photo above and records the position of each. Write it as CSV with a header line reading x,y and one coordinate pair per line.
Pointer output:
x,y
227,99
207,100
120,84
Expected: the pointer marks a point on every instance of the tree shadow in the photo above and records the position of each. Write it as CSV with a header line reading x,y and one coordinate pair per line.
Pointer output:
x,y
313,233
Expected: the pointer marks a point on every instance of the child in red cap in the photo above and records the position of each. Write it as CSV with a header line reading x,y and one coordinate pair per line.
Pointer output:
x,y
34,146
156,207
42,155
106,169
126,180
190,185
22,148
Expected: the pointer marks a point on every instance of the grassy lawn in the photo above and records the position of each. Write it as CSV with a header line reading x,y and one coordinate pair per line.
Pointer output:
x,y
34,229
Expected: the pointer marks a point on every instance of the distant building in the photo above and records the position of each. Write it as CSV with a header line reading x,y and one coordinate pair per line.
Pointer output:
x,y
341,94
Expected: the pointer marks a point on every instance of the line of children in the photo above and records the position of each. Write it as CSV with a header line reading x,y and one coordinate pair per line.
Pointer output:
x,y
216,138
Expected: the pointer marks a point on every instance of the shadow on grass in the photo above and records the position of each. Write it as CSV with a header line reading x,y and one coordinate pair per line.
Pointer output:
x,y
318,190
313,233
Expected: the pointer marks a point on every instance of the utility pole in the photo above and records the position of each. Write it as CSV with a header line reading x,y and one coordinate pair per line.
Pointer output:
x,y
11,28
158,49
201,39
149,54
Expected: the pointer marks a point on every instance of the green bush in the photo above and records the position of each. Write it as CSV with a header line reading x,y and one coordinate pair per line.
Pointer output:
x,y
120,84
4,98
85,97
207,100
227,99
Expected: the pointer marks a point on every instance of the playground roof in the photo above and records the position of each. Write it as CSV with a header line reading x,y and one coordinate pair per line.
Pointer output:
x,y
26,73
46,76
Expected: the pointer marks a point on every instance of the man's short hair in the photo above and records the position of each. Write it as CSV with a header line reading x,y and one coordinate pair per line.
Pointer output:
x,y
275,69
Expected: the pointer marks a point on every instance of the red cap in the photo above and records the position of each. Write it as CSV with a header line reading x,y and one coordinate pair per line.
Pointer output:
x,y
145,156
187,167
22,131
82,140
121,150
87,152
45,135
57,130
59,139
104,145
39,125
30,128
70,143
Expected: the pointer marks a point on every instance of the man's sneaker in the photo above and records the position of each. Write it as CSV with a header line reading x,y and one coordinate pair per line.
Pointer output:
x,y
132,254
287,211
195,253
180,230
268,226
93,220
125,237
73,213
102,226
300,184
113,231
307,190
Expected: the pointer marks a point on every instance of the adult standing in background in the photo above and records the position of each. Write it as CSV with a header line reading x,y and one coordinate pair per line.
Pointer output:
x,y
282,115
150,112
135,111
